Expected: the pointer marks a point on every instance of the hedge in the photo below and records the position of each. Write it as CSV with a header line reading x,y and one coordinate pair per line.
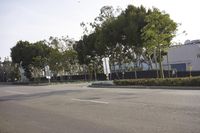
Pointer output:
x,y
195,81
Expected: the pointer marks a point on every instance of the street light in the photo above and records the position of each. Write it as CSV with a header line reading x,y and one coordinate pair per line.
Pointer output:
x,y
177,35
183,32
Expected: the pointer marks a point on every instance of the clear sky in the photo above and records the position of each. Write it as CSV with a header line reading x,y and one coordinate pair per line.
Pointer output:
x,y
35,20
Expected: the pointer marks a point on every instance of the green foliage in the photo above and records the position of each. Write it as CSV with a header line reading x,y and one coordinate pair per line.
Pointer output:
x,y
118,37
158,33
34,56
134,22
85,49
128,36
55,61
8,71
195,81
70,61
30,55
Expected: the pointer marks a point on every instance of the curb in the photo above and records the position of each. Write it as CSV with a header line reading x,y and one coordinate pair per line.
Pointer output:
x,y
148,87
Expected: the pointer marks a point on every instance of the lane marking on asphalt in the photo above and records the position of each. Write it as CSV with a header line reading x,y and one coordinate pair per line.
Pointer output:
x,y
92,101
16,92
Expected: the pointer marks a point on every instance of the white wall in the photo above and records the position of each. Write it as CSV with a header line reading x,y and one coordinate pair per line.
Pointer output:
x,y
187,53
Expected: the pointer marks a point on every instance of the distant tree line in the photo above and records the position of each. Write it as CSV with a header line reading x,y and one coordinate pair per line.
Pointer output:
x,y
57,53
135,35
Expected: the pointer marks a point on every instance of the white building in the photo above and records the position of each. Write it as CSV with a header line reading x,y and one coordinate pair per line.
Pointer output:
x,y
184,57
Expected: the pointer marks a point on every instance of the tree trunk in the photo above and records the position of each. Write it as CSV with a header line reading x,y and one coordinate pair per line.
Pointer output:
x,y
84,67
150,63
156,63
160,64
95,72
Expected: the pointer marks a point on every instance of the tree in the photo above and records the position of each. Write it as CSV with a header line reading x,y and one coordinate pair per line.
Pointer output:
x,y
127,37
117,34
134,22
61,44
70,61
120,37
87,53
32,56
8,71
158,33
55,63
22,52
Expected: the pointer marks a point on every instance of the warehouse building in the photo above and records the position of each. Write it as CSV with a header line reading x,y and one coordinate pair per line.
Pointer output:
x,y
184,57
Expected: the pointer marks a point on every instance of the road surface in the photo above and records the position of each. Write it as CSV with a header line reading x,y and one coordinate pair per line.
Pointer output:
x,y
75,108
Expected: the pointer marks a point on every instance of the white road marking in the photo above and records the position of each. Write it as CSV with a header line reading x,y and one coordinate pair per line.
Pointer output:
x,y
92,101
16,92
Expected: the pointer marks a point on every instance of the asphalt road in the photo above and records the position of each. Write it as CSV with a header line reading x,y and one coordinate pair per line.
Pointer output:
x,y
75,108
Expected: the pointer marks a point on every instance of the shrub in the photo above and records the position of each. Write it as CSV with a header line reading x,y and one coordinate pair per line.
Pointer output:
x,y
195,81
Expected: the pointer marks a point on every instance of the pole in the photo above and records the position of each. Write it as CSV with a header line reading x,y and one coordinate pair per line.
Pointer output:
x,y
190,68
106,69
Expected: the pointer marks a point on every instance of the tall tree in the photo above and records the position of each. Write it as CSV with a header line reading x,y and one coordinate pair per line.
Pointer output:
x,y
158,33
30,55
70,61
22,53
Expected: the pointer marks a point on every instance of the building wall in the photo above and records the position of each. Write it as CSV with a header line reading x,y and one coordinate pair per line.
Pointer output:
x,y
184,57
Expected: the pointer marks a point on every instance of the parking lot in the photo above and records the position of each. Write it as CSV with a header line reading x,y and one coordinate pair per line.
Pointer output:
x,y
76,108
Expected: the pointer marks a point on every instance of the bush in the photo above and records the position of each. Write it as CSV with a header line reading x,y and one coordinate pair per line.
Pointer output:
x,y
161,82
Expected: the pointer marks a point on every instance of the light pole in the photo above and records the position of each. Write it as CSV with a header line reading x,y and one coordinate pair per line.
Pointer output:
x,y
177,35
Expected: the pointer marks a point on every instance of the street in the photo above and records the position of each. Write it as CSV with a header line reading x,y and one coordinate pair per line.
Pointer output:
x,y
76,108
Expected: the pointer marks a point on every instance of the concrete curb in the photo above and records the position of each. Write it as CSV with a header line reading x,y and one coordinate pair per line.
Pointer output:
x,y
148,87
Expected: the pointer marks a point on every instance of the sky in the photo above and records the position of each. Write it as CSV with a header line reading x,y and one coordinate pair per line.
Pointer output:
x,y
35,20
